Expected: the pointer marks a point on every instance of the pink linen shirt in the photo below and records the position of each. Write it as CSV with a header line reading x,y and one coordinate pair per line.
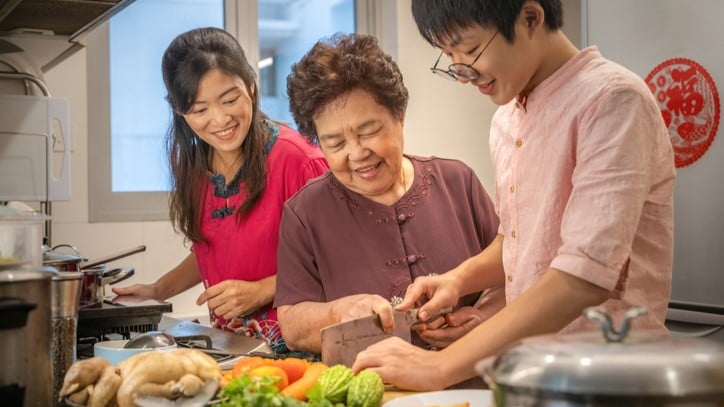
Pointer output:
x,y
584,184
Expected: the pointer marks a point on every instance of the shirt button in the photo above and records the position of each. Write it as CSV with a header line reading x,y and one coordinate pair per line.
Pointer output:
x,y
510,277
513,234
511,188
411,259
401,218
518,142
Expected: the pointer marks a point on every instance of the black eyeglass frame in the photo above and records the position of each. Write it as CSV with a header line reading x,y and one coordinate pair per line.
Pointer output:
x,y
453,74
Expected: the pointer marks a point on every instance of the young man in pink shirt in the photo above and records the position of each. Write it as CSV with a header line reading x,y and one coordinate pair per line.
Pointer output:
x,y
584,189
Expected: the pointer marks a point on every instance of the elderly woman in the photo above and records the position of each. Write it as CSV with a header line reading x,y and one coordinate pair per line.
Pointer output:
x,y
356,237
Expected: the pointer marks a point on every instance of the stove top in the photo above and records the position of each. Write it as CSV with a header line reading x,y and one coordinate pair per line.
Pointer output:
x,y
120,316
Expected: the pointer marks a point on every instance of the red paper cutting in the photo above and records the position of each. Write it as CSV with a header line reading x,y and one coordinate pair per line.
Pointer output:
x,y
689,103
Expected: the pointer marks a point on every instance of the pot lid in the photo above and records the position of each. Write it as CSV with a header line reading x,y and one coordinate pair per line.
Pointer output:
x,y
616,363
22,275
51,258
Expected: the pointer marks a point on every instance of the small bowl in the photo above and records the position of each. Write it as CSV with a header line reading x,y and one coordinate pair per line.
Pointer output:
x,y
115,352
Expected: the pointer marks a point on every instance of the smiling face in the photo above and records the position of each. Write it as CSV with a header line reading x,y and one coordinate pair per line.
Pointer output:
x,y
221,113
362,142
506,69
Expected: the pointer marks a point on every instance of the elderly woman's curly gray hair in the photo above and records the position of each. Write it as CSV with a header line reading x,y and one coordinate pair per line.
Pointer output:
x,y
334,67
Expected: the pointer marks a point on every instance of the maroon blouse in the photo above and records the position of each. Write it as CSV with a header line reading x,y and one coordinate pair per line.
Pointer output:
x,y
334,242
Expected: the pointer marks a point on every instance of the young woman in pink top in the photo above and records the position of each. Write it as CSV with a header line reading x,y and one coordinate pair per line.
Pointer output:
x,y
232,170
584,176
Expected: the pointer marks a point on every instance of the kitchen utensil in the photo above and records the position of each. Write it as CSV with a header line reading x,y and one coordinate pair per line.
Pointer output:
x,y
414,320
222,340
75,262
458,397
21,238
619,368
342,342
64,311
115,351
95,274
63,261
26,375
150,339
114,256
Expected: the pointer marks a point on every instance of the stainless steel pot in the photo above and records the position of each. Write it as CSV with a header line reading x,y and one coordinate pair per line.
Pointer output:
x,y
26,377
618,368
95,273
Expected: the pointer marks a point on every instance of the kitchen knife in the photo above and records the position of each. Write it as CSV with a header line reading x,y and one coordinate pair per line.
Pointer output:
x,y
342,342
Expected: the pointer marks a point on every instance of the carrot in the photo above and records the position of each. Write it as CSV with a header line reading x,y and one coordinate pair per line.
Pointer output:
x,y
298,389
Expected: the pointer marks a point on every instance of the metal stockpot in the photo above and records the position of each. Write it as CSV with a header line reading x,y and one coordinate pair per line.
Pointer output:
x,y
94,276
26,377
618,368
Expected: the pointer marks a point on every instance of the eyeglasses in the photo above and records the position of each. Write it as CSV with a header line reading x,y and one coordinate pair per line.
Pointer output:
x,y
460,70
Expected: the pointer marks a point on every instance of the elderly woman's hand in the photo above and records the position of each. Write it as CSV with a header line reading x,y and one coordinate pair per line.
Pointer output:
x,y
362,305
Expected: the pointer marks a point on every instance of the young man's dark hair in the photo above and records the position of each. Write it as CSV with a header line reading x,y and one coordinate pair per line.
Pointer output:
x,y
439,20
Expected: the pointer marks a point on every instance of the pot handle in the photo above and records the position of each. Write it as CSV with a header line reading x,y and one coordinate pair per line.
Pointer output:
x,y
15,312
605,322
70,246
117,275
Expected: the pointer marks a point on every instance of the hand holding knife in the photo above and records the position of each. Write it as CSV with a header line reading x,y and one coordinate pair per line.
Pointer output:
x,y
413,318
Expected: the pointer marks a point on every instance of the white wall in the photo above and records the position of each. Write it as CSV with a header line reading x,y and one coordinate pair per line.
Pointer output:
x,y
443,119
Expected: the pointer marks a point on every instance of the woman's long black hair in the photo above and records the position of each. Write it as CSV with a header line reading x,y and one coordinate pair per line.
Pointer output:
x,y
185,61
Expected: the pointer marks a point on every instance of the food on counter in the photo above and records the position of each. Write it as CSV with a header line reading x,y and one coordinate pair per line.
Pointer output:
x,y
104,391
299,388
282,380
318,385
247,364
171,375
294,367
82,374
334,383
365,390
246,390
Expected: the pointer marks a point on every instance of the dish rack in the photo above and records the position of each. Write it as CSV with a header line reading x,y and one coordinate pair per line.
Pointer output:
x,y
34,145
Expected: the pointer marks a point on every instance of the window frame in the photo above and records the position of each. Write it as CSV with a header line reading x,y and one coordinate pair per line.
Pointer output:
x,y
107,206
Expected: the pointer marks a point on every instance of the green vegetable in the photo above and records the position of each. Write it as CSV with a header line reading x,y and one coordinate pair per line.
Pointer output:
x,y
365,390
334,381
250,391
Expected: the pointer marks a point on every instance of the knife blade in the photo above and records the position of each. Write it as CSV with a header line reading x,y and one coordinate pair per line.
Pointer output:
x,y
343,341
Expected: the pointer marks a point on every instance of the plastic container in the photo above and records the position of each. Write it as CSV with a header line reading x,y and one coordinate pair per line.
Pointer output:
x,y
21,240
115,352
